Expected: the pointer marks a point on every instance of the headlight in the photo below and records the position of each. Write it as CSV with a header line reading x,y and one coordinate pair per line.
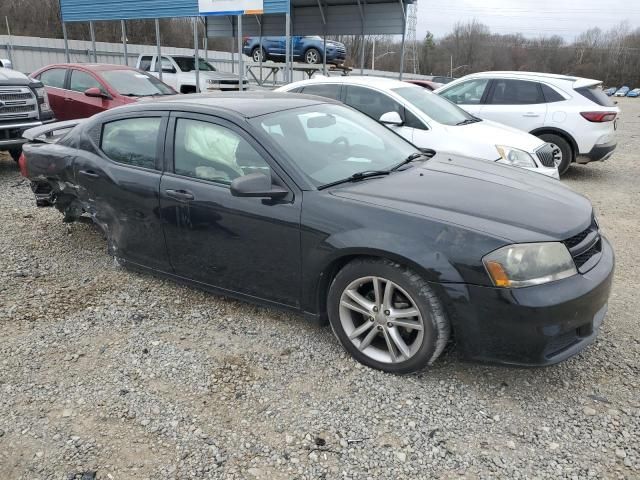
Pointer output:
x,y
213,82
515,157
526,264
41,92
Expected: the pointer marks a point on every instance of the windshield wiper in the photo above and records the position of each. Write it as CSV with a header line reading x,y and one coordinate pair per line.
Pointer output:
x,y
356,177
427,152
469,121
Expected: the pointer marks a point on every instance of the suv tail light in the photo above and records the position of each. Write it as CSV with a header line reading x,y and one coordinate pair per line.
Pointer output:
x,y
599,117
22,163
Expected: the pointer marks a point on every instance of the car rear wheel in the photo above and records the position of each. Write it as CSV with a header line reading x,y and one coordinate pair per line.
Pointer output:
x,y
257,53
562,151
312,56
387,316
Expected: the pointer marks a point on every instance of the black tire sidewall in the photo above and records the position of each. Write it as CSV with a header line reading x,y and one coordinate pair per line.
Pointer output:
x,y
565,147
15,153
401,277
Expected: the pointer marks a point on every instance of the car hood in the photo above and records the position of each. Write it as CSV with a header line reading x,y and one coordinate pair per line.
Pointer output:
x,y
12,77
502,201
488,133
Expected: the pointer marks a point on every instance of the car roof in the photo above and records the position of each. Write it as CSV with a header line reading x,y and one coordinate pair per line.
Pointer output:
x,y
550,76
379,82
245,104
95,67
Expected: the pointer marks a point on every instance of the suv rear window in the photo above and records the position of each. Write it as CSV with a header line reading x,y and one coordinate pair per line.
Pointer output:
x,y
596,95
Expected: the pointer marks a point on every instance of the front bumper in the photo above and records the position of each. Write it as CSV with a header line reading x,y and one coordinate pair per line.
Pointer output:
x,y
598,153
546,171
532,326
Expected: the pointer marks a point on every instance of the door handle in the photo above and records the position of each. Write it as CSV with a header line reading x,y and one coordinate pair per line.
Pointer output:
x,y
531,114
179,194
67,99
89,173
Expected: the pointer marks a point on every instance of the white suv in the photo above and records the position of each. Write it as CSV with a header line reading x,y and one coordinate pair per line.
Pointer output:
x,y
429,121
573,114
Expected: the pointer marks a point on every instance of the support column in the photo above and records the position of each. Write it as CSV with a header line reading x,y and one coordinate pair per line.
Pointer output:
x,y
196,53
404,35
206,39
159,50
124,41
240,60
66,43
324,54
259,20
287,39
93,42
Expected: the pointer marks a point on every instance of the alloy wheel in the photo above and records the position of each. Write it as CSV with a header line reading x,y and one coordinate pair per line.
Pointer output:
x,y
557,154
381,320
312,56
257,54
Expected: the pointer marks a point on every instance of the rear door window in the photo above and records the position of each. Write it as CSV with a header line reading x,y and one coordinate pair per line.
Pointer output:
x,y
132,141
54,77
516,92
145,63
323,90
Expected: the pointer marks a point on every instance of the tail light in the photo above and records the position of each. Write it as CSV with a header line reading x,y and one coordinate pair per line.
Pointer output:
x,y
22,163
599,117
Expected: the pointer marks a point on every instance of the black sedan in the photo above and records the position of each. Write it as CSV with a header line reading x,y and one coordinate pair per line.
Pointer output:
x,y
302,203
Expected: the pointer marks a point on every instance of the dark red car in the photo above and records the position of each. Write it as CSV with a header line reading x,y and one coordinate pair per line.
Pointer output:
x,y
82,90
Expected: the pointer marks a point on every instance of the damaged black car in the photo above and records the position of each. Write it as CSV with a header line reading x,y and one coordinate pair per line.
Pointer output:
x,y
305,204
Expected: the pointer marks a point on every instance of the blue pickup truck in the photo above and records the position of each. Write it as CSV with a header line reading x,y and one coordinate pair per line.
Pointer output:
x,y
308,49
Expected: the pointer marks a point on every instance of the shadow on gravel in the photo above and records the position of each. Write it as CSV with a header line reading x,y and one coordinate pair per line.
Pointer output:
x,y
586,172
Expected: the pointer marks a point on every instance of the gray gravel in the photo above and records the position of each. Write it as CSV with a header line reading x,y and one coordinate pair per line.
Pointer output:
x,y
110,374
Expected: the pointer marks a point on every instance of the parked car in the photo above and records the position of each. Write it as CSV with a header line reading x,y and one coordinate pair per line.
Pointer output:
x,y
24,104
573,114
5,63
634,93
307,49
79,90
443,80
429,121
622,92
179,71
610,91
303,203
431,86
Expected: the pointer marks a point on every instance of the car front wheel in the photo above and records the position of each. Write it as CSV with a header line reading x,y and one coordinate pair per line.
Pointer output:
x,y
257,53
387,316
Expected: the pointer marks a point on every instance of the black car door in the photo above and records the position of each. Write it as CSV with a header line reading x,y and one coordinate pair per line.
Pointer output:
x,y
118,177
245,245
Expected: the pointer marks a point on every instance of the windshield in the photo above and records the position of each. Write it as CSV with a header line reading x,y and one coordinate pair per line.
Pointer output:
x,y
332,142
435,107
188,64
132,83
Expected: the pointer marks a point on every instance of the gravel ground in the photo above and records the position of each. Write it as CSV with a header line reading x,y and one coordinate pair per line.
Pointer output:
x,y
110,374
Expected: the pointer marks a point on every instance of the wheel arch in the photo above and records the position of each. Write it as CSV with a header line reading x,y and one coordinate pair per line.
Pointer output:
x,y
331,269
561,133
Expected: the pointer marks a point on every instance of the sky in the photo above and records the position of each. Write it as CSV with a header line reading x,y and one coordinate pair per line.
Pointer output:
x,y
532,18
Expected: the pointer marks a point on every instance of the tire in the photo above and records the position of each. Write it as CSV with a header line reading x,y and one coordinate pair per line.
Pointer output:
x,y
15,153
312,56
423,334
562,148
255,55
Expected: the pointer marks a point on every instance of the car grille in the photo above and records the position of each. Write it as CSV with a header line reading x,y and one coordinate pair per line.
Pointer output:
x,y
17,103
585,248
545,155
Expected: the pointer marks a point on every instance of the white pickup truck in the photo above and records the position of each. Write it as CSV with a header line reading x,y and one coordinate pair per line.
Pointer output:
x,y
179,71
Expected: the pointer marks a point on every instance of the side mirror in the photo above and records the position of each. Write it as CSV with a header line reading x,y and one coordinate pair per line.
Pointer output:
x,y
256,185
391,118
168,69
96,92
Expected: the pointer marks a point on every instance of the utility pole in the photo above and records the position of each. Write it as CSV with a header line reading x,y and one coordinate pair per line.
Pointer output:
x,y
412,52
